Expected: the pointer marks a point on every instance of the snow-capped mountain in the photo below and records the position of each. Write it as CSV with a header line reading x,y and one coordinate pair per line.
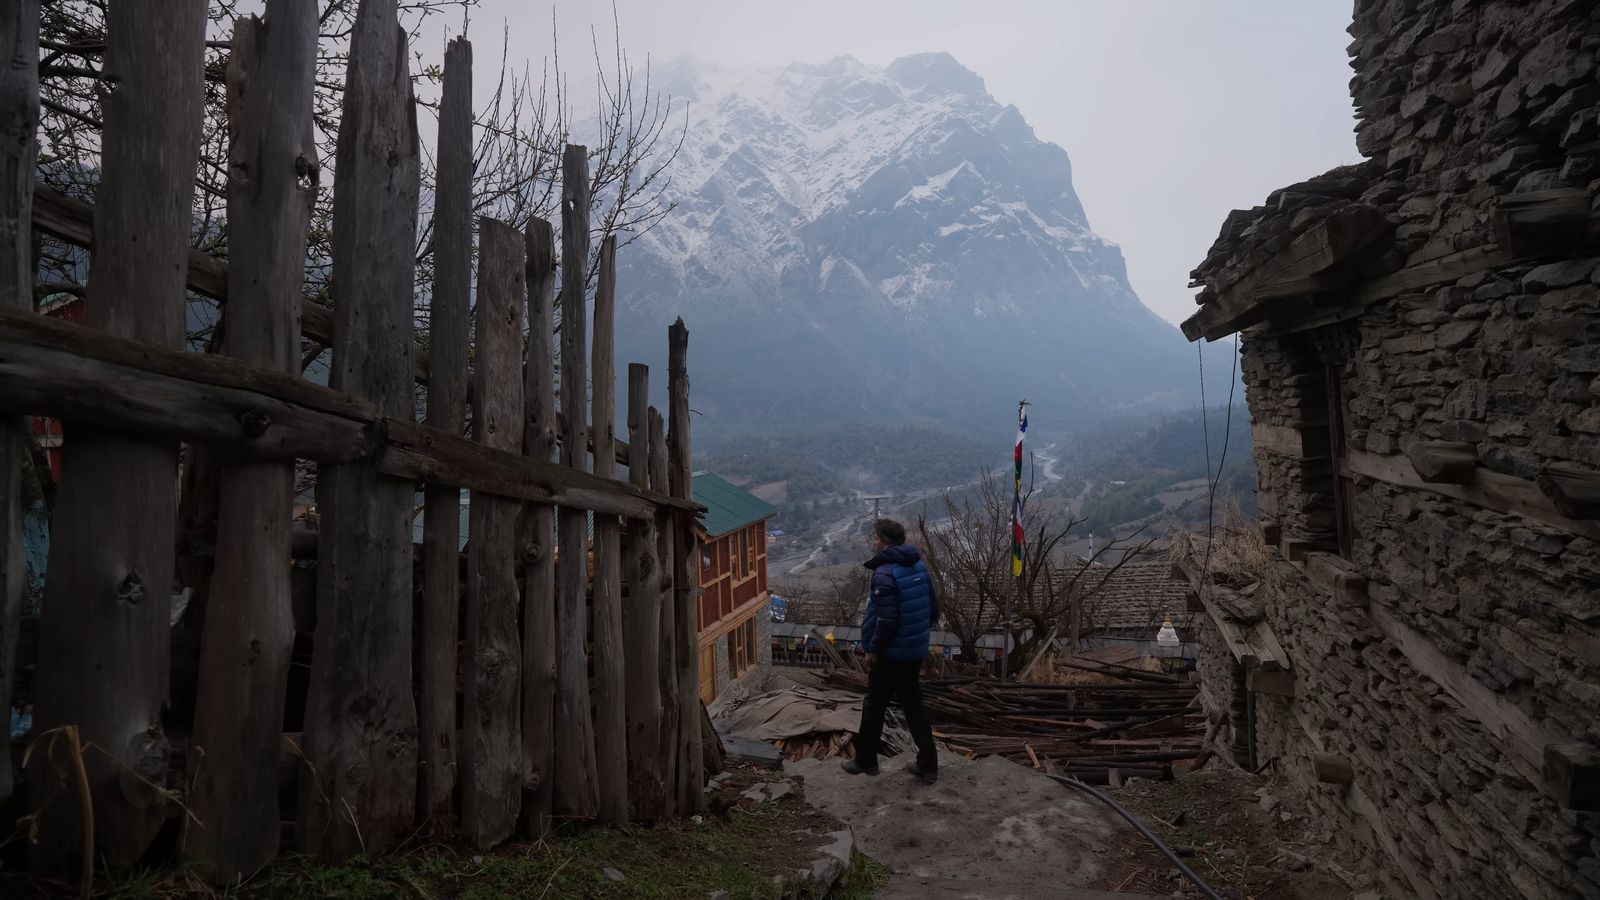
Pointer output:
x,y
856,241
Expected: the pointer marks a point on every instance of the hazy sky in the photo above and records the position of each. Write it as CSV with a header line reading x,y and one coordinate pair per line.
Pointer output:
x,y
1173,111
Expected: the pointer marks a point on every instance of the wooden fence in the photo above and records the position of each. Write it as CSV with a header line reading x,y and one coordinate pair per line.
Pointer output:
x,y
557,681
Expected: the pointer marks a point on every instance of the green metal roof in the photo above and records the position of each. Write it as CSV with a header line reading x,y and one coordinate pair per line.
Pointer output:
x,y
728,508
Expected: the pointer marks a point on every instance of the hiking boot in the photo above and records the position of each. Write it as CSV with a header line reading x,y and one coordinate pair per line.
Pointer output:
x,y
854,768
928,776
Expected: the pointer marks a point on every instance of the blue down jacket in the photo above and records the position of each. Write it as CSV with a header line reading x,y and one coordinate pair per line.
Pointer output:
x,y
903,606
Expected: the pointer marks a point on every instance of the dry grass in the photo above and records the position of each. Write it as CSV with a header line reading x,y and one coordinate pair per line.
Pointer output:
x,y
1238,555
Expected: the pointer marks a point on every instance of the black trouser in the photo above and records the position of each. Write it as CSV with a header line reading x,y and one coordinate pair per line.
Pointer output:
x,y
900,682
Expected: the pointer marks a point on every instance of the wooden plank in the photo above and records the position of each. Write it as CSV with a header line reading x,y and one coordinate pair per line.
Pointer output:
x,y
19,118
539,561
1542,223
72,220
1519,737
1278,684
1572,775
491,764
1491,490
359,792
247,638
691,778
667,538
641,621
611,694
1281,440
1575,491
1443,462
55,368
576,790
449,324
104,635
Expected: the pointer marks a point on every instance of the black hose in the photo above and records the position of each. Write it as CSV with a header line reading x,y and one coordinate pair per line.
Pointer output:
x,y
1134,821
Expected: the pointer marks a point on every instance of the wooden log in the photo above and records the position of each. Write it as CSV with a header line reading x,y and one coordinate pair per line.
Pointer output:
x,y
449,320
641,620
362,797
611,695
1278,684
666,552
1331,769
1572,775
19,118
576,790
249,631
49,367
491,765
690,779
1575,491
539,561
104,634
1443,462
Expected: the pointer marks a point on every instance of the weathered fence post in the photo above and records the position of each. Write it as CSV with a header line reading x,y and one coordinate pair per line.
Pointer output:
x,y
19,123
576,790
249,627
449,317
641,618
539,564
667,641
104,636
492,759
686,585
359,789
611,713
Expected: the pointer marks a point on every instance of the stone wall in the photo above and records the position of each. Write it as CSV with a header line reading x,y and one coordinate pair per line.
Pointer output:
x,y
1467,108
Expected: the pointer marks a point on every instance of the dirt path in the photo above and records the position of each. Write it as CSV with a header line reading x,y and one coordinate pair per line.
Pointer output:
x,y
989,830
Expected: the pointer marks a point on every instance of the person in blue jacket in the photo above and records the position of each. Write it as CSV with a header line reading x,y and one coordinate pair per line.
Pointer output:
x,y
894,634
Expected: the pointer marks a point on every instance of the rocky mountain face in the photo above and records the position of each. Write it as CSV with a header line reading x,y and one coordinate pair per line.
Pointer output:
x,y
852,241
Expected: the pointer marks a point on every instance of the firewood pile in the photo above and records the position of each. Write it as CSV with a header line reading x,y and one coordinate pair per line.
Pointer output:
x,y
1138,724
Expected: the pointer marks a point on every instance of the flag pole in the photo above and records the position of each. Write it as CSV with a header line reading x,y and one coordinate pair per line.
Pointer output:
x,y
1017,538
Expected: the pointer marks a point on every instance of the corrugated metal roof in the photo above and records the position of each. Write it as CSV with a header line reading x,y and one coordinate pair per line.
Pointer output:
x,y
728,508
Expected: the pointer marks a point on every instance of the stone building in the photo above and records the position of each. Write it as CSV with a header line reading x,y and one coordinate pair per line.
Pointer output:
x,y
1420,341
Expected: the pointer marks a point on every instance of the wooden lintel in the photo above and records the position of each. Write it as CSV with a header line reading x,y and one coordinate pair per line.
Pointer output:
x,y
1336,576
1490,490
1443,462
1542,223
1331,769
1278,684
1575,491
1297,549
1572,775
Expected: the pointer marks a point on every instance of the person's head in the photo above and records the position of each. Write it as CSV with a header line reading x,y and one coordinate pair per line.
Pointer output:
x,y
888,533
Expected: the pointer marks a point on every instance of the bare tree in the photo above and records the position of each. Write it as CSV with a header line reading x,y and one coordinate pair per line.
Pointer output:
x,y
634,134
970,555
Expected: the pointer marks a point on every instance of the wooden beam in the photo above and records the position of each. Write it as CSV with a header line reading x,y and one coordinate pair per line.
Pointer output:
x,y
577,794
449,327
1572,775
1271,532
1575,491
1443,462
19,118
610,685
1278,684
1281,440
691,774
1491,490
539,564
239,708
641,622
491,759
667,539
62,369
1336,576
1542,223
359,795
1331,769
105,631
